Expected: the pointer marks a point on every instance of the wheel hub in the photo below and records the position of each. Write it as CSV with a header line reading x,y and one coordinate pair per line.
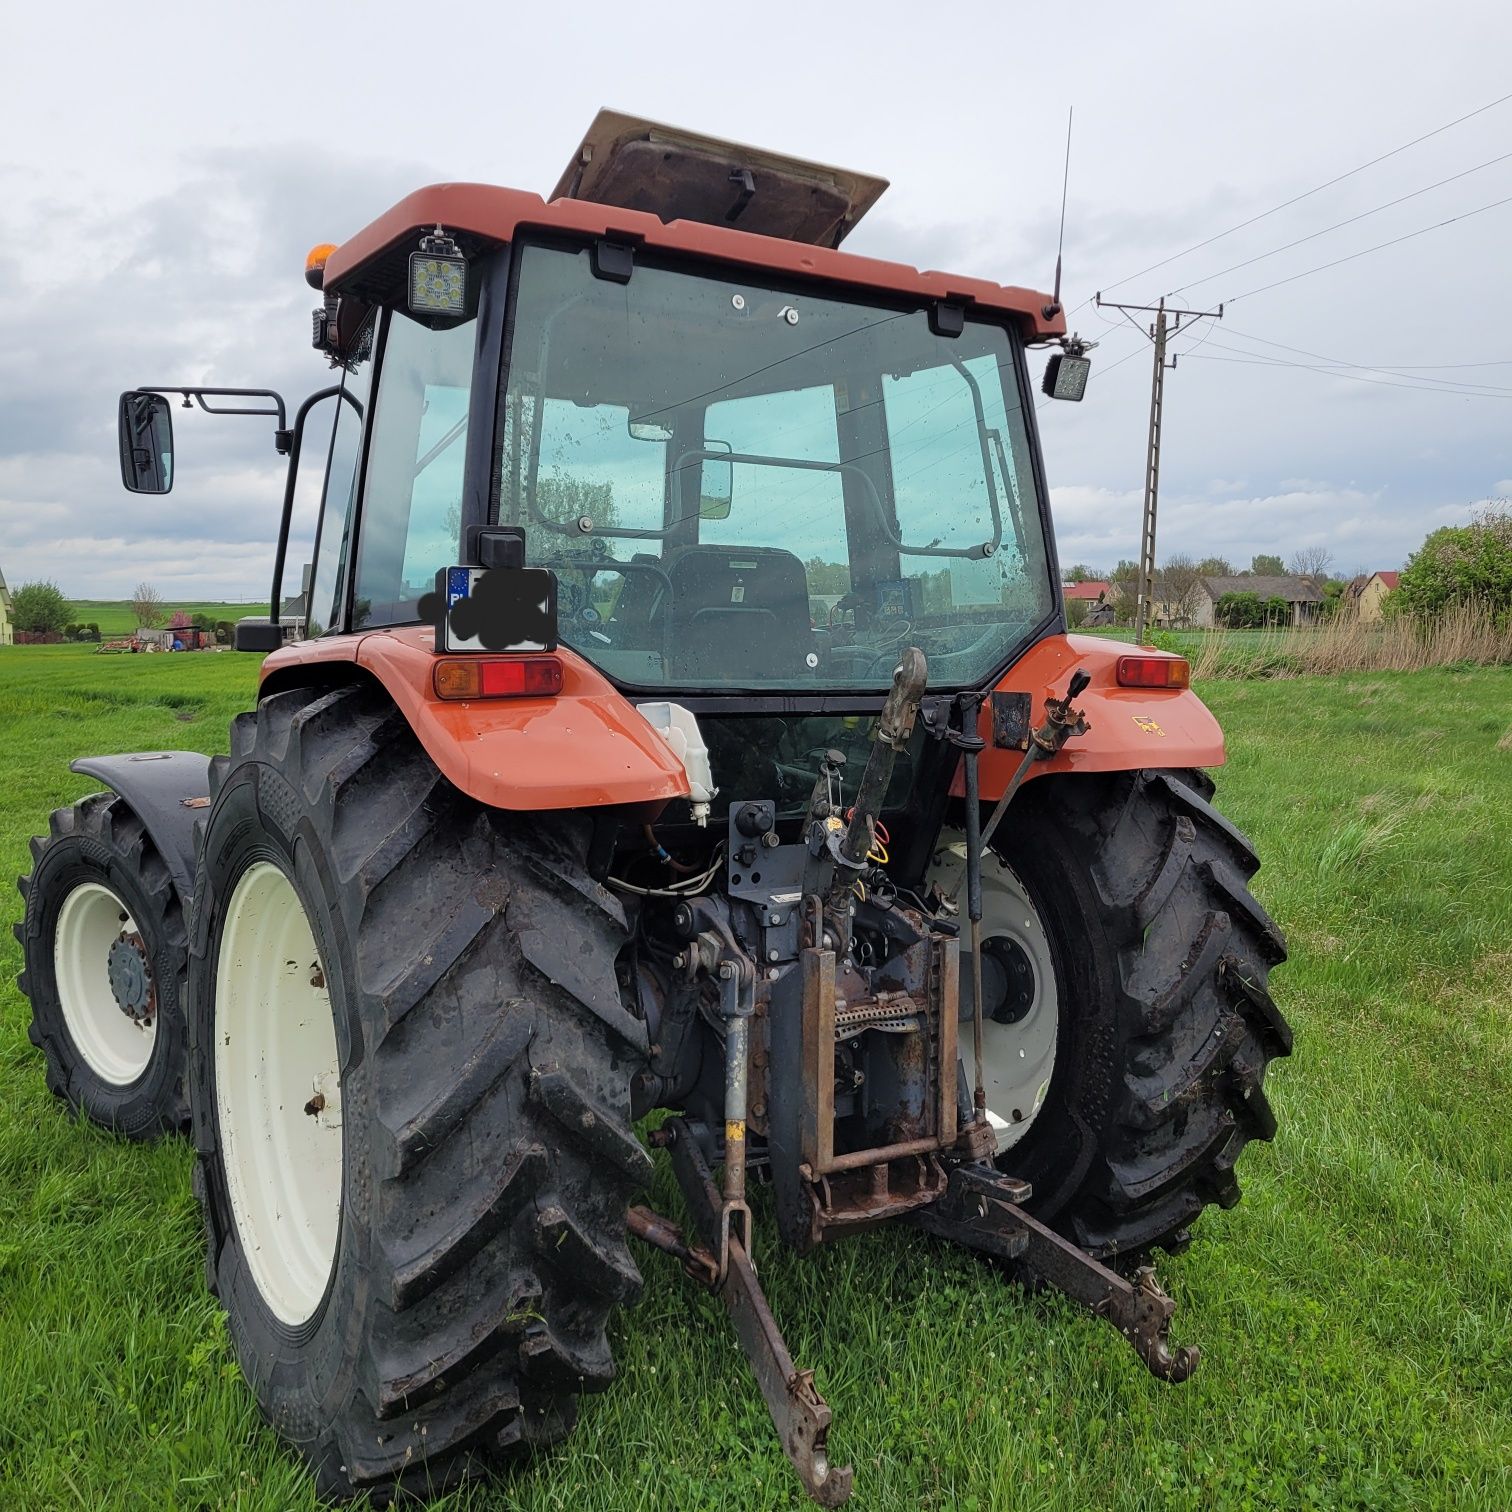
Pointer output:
x,y
1008,981
130,977
1020,1003
105,985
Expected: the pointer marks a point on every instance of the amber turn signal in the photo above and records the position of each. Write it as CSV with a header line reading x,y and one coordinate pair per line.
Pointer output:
x,y
1154,672
501,677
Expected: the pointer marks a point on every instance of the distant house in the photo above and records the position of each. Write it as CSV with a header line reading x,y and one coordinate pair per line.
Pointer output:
x,y
1304,598
1096,595
1371,599
1092,592
7,634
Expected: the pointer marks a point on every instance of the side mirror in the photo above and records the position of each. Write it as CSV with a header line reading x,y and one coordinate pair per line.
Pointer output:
x,y
716,486
145,425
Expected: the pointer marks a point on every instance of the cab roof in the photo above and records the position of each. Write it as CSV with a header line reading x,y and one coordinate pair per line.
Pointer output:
x,y
371,265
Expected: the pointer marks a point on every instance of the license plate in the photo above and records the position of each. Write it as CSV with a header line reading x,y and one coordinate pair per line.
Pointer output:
x,y
499,609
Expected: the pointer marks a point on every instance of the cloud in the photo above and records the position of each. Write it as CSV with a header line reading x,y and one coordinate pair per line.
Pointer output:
x,y
203,285
155,232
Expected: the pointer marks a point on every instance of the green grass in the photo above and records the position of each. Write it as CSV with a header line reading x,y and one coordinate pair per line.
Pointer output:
x,y
1355,1311
114,616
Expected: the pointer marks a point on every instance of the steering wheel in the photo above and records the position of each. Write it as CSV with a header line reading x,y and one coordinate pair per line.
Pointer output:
x,y
868,660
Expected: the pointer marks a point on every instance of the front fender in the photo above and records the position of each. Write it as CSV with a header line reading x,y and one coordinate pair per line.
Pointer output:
x,y
166,790
1130,728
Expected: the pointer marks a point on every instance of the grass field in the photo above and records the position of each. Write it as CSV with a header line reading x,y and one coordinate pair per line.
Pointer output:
x,y
1355,1311
114,616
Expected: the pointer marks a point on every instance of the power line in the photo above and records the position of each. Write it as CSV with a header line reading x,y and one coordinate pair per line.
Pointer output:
x,y
1366,251
1338,362
1307,194
1339,225
1421,367
1279,362
1356,377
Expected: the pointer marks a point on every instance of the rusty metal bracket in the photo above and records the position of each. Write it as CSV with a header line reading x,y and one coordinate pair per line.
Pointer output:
x,y
800,1415
981,1209
661,1233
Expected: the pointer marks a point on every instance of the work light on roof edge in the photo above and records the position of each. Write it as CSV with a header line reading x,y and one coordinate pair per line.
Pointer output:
x,y
438,276
1066,377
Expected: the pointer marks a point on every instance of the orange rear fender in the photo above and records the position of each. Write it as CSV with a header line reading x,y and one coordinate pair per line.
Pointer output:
x,y
587,747
1130,728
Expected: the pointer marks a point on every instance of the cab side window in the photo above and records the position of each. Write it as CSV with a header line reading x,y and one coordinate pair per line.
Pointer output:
x,y
412,502
333,549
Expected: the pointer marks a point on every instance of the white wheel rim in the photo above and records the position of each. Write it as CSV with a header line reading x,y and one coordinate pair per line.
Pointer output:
x,y
278,1093
115,1046
1019,1058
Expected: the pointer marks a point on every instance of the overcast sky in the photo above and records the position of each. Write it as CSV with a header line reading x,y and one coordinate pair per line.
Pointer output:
x,y
165,170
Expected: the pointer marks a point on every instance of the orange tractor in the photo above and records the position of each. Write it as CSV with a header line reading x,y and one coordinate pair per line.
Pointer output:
x,y
680,716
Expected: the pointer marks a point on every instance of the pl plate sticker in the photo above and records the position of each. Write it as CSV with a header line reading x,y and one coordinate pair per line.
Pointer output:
x,y
495,609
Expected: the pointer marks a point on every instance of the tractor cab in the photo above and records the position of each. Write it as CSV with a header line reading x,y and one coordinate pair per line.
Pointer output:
x,y
758,468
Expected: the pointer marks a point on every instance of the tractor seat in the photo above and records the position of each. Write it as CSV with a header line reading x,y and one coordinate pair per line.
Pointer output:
x,y
739,614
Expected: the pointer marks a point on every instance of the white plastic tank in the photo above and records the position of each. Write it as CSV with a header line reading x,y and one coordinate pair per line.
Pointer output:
x,y
677,726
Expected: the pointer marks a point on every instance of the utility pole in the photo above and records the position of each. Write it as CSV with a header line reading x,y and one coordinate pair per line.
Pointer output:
x,y
1158,332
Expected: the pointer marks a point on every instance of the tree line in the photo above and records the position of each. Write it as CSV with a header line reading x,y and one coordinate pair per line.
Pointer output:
x,y
40,608
1178,588
1456,567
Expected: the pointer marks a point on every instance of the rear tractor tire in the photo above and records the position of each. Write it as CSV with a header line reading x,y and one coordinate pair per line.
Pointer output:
x,y
105,956
1129,1022
411,1074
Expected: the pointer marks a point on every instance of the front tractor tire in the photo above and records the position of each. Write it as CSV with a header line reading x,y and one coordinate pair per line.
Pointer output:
x,y
105,952
411,1074
1163,1020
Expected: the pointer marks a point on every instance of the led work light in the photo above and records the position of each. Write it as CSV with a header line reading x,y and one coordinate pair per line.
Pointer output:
x,y
1066,377
438,276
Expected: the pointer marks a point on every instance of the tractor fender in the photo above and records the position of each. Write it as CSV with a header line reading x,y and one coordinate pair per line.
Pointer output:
x,y
1129,728
168,791
586,747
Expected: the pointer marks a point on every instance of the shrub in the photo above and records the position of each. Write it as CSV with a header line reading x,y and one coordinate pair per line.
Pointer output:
x,y
39,608
1461,565
1240,611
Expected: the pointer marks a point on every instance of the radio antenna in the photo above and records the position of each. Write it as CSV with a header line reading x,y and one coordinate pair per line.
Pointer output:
x,y
1054,307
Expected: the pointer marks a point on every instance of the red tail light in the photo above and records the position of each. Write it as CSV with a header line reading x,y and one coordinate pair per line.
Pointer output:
x,y
1154,672
497,677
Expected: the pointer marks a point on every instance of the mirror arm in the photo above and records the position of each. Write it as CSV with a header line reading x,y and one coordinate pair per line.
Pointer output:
x,y
275,615
282,437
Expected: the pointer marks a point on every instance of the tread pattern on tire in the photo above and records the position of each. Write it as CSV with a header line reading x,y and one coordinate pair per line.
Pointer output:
x,y
502,1158
108,832
1194,1024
